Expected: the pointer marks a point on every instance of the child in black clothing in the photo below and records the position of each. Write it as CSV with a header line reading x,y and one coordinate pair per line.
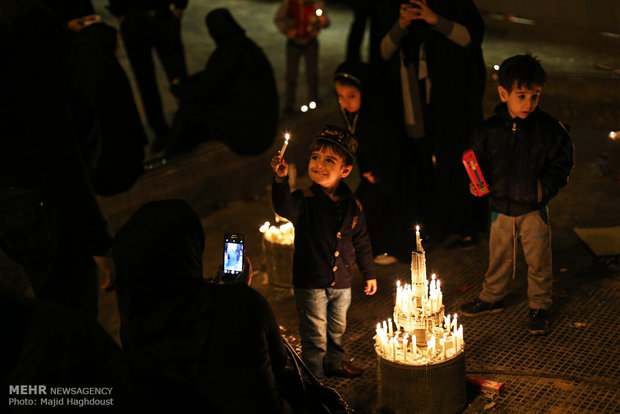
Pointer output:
x,y
330,235
526,155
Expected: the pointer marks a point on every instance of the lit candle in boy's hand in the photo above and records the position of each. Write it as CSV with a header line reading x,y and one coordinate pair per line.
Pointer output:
x,y
287,136
319,12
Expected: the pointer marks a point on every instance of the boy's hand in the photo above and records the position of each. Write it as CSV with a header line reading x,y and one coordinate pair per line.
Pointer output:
x,y
472,190
279,167
371,287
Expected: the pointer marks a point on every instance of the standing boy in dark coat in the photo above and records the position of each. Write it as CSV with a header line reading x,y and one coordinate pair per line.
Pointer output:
x,y
330,235
526,155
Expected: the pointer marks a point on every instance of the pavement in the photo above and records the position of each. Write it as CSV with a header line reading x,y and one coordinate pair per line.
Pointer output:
x,y
574,369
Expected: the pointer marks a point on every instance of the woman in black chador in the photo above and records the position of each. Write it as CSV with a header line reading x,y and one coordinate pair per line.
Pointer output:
x,y
233,100
380,158
437,78
192,345
101,77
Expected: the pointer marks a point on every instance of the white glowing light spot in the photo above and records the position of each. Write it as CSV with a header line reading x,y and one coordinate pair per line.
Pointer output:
x,y
304,108
312,104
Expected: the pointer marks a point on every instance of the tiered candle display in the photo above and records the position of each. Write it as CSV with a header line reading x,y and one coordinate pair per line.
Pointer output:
x,y
420,333
283,234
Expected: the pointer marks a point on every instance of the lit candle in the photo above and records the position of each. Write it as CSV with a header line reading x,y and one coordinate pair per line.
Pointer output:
x,y
418,242
414,347
378,336
454,322
405,348
390,332
287,136
319,12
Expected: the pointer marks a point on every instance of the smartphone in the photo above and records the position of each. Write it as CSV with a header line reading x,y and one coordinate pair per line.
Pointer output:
x,y
234,256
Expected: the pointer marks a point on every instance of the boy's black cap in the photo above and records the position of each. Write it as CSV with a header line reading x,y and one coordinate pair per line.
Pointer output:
x,y
340,137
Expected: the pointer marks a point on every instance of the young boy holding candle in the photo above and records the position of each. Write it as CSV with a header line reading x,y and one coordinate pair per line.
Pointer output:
x,y
330,235
526,156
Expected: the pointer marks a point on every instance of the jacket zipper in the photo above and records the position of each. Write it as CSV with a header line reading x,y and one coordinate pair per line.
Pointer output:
x,y
512,143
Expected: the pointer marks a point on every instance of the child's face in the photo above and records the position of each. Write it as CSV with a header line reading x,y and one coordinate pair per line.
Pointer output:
x,y
349,97
326,168
521,101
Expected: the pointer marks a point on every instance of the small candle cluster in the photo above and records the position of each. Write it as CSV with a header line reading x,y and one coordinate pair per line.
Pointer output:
x,y
284,234
399,346
429,304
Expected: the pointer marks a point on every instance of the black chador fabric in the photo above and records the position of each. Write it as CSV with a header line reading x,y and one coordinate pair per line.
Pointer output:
x,y
122,135
192,344
44,162
234,99
457,75
381,151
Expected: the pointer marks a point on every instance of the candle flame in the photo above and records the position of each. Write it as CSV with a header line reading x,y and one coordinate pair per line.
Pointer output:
x,y
417,229
319,12
287,136
614,134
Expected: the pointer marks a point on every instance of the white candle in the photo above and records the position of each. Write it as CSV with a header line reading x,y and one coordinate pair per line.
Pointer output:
x,y
287,136
390,332
378,336
454,322
393,348
405,348
414,347
418,242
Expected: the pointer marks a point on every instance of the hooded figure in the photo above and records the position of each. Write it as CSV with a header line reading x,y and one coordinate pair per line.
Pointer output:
x,y
233,100
190,343
380,157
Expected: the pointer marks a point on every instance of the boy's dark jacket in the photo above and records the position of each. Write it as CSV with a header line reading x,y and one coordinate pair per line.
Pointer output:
x,y
324,248
514,154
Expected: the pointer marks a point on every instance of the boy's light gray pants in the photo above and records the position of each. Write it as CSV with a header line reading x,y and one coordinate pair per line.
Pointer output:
x,y
535,234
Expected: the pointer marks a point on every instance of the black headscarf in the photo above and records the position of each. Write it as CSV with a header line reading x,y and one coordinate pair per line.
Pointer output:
x,y
222,26
158,253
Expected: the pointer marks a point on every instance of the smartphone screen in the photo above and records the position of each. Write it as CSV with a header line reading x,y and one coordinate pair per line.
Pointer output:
x,y
233,254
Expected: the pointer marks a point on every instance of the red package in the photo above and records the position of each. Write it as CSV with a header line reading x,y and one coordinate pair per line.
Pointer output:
x,y
475,175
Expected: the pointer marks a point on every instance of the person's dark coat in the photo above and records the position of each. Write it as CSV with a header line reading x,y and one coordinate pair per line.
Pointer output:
x,y
234,99
192,344
326,245
514,154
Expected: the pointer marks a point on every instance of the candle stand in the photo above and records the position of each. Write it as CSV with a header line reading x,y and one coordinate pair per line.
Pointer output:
x,y
438,388
279,263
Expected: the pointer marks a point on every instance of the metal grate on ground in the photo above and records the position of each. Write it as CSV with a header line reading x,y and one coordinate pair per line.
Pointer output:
x,y
575,369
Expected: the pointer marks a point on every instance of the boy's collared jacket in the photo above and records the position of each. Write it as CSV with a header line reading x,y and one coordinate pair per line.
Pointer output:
x,y
515,154
325,246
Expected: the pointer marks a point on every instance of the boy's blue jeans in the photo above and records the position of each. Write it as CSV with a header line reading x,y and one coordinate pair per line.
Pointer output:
x,y
534,232
322,322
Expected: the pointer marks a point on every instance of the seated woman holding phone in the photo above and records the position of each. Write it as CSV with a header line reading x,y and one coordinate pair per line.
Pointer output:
x,y
192,345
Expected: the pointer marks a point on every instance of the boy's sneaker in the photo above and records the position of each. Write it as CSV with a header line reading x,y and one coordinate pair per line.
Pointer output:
x,y
539,323
479,307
